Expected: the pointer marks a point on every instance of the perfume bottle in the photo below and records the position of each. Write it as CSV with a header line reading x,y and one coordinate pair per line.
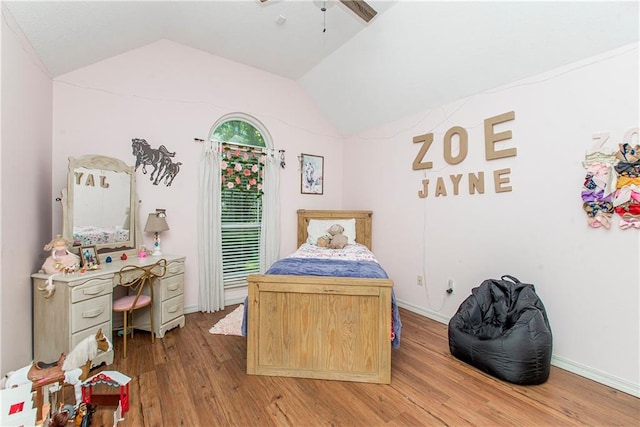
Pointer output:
x,y
142,252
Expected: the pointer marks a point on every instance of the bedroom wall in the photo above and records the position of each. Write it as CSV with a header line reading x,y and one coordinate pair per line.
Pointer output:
x,y
588,279
25,182
170,94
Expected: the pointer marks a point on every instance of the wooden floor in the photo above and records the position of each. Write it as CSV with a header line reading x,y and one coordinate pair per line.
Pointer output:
x,y
193,378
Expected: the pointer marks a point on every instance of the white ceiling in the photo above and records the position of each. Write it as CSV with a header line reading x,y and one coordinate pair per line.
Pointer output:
x,y
71,34
412,56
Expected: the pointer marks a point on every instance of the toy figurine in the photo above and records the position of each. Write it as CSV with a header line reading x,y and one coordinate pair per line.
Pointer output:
x,y
142,252
60,261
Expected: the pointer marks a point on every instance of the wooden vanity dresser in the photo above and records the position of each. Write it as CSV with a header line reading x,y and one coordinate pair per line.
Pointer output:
x,y
81,304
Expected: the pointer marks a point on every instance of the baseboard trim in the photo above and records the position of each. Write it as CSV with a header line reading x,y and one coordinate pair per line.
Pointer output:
x,y
231,301
234,301
191,309
557,361
596,375
426,313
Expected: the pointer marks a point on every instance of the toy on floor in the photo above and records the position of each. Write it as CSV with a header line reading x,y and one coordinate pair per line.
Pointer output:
x,y
71,369
112,379
65,415
84,414
16,406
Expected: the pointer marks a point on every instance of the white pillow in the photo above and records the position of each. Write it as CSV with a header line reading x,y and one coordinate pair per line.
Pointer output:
x,y
318,228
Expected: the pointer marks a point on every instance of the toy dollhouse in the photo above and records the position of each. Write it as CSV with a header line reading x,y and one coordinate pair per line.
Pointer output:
x,y
111,379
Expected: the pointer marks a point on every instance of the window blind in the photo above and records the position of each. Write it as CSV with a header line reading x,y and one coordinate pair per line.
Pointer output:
x,y
241,219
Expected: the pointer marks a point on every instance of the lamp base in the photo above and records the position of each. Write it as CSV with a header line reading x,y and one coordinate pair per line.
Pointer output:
x,y
156,244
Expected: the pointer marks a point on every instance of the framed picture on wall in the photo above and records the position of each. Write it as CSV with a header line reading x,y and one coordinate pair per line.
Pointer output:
x,y
311,174
89,256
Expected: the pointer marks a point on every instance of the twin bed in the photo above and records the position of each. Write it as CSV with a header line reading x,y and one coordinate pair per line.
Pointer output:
x,y
311,317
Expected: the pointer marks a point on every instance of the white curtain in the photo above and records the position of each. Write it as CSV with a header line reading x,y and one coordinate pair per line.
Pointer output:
x,y
270,231
211,297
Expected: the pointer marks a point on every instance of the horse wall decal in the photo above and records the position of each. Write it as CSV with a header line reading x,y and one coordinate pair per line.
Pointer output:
x,y
159,158
170,172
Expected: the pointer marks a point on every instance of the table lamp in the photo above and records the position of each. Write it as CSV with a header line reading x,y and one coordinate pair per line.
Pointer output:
x,y
156,223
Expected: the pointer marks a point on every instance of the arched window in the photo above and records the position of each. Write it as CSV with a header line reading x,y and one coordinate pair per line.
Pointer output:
x,y
242,159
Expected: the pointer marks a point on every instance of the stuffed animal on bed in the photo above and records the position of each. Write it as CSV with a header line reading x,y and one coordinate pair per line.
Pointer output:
x,y
338,240
323,241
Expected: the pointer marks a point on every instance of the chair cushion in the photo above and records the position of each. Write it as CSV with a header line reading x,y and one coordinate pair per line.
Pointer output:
x,y
125,303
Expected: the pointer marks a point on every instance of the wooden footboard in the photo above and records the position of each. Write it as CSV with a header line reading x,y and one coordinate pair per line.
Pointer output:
x,y
319,327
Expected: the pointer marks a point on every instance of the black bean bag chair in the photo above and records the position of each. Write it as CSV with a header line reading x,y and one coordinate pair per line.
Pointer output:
x,y
503,330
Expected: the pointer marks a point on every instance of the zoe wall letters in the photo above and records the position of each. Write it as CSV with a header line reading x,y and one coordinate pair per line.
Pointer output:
x,y
475,180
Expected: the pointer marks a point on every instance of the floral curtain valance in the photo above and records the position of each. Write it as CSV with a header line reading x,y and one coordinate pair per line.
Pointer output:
x,y
242,168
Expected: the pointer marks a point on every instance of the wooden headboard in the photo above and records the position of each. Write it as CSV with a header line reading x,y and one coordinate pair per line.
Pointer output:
x,y
363,223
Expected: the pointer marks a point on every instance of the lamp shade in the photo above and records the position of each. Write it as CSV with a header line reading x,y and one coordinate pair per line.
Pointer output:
x,y
156,223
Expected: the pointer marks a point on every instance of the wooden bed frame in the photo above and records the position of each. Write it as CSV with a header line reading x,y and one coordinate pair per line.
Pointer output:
x,y
333,328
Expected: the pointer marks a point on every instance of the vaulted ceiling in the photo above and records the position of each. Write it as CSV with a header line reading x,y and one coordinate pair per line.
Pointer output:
x,y
413,55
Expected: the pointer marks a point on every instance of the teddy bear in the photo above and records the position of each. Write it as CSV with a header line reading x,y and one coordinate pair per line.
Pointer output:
x,y
338,240
323,241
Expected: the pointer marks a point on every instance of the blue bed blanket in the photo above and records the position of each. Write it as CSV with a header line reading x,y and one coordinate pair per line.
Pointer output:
x,y
334,268
327,267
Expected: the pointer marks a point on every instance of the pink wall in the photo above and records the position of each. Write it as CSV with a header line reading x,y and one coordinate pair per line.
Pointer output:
x,y
25,188
588,278
169,94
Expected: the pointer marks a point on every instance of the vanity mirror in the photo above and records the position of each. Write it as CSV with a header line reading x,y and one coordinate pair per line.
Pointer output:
x,y
99,206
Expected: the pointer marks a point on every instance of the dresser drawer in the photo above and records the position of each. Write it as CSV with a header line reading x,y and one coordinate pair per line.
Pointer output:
x,y
79,336
90,313
91,289
172,308
171,287
175,267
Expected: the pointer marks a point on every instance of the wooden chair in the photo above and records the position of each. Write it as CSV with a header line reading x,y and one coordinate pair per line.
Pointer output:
x,y
135,279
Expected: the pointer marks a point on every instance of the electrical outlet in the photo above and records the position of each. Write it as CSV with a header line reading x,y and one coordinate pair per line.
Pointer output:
x,y
419,281
450,287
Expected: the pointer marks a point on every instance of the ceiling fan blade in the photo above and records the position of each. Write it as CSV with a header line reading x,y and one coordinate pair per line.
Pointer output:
x,y
360,8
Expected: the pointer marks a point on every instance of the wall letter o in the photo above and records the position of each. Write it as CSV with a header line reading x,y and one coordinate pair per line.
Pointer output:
x,y
463,143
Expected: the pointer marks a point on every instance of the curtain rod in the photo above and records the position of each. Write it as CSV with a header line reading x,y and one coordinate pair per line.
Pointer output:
x,y
237,144
244,146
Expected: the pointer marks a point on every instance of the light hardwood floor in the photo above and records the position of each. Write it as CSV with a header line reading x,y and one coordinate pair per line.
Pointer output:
x,y
193,378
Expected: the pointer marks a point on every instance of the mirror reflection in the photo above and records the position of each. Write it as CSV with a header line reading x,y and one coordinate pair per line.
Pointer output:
x,y
100,203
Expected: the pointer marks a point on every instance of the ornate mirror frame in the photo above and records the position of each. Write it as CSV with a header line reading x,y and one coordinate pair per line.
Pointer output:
x,y
92,170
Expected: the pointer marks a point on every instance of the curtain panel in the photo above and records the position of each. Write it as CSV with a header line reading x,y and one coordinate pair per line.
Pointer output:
x,y
211,176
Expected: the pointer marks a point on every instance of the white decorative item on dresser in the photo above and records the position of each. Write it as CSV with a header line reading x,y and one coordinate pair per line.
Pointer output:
x,y
82,302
